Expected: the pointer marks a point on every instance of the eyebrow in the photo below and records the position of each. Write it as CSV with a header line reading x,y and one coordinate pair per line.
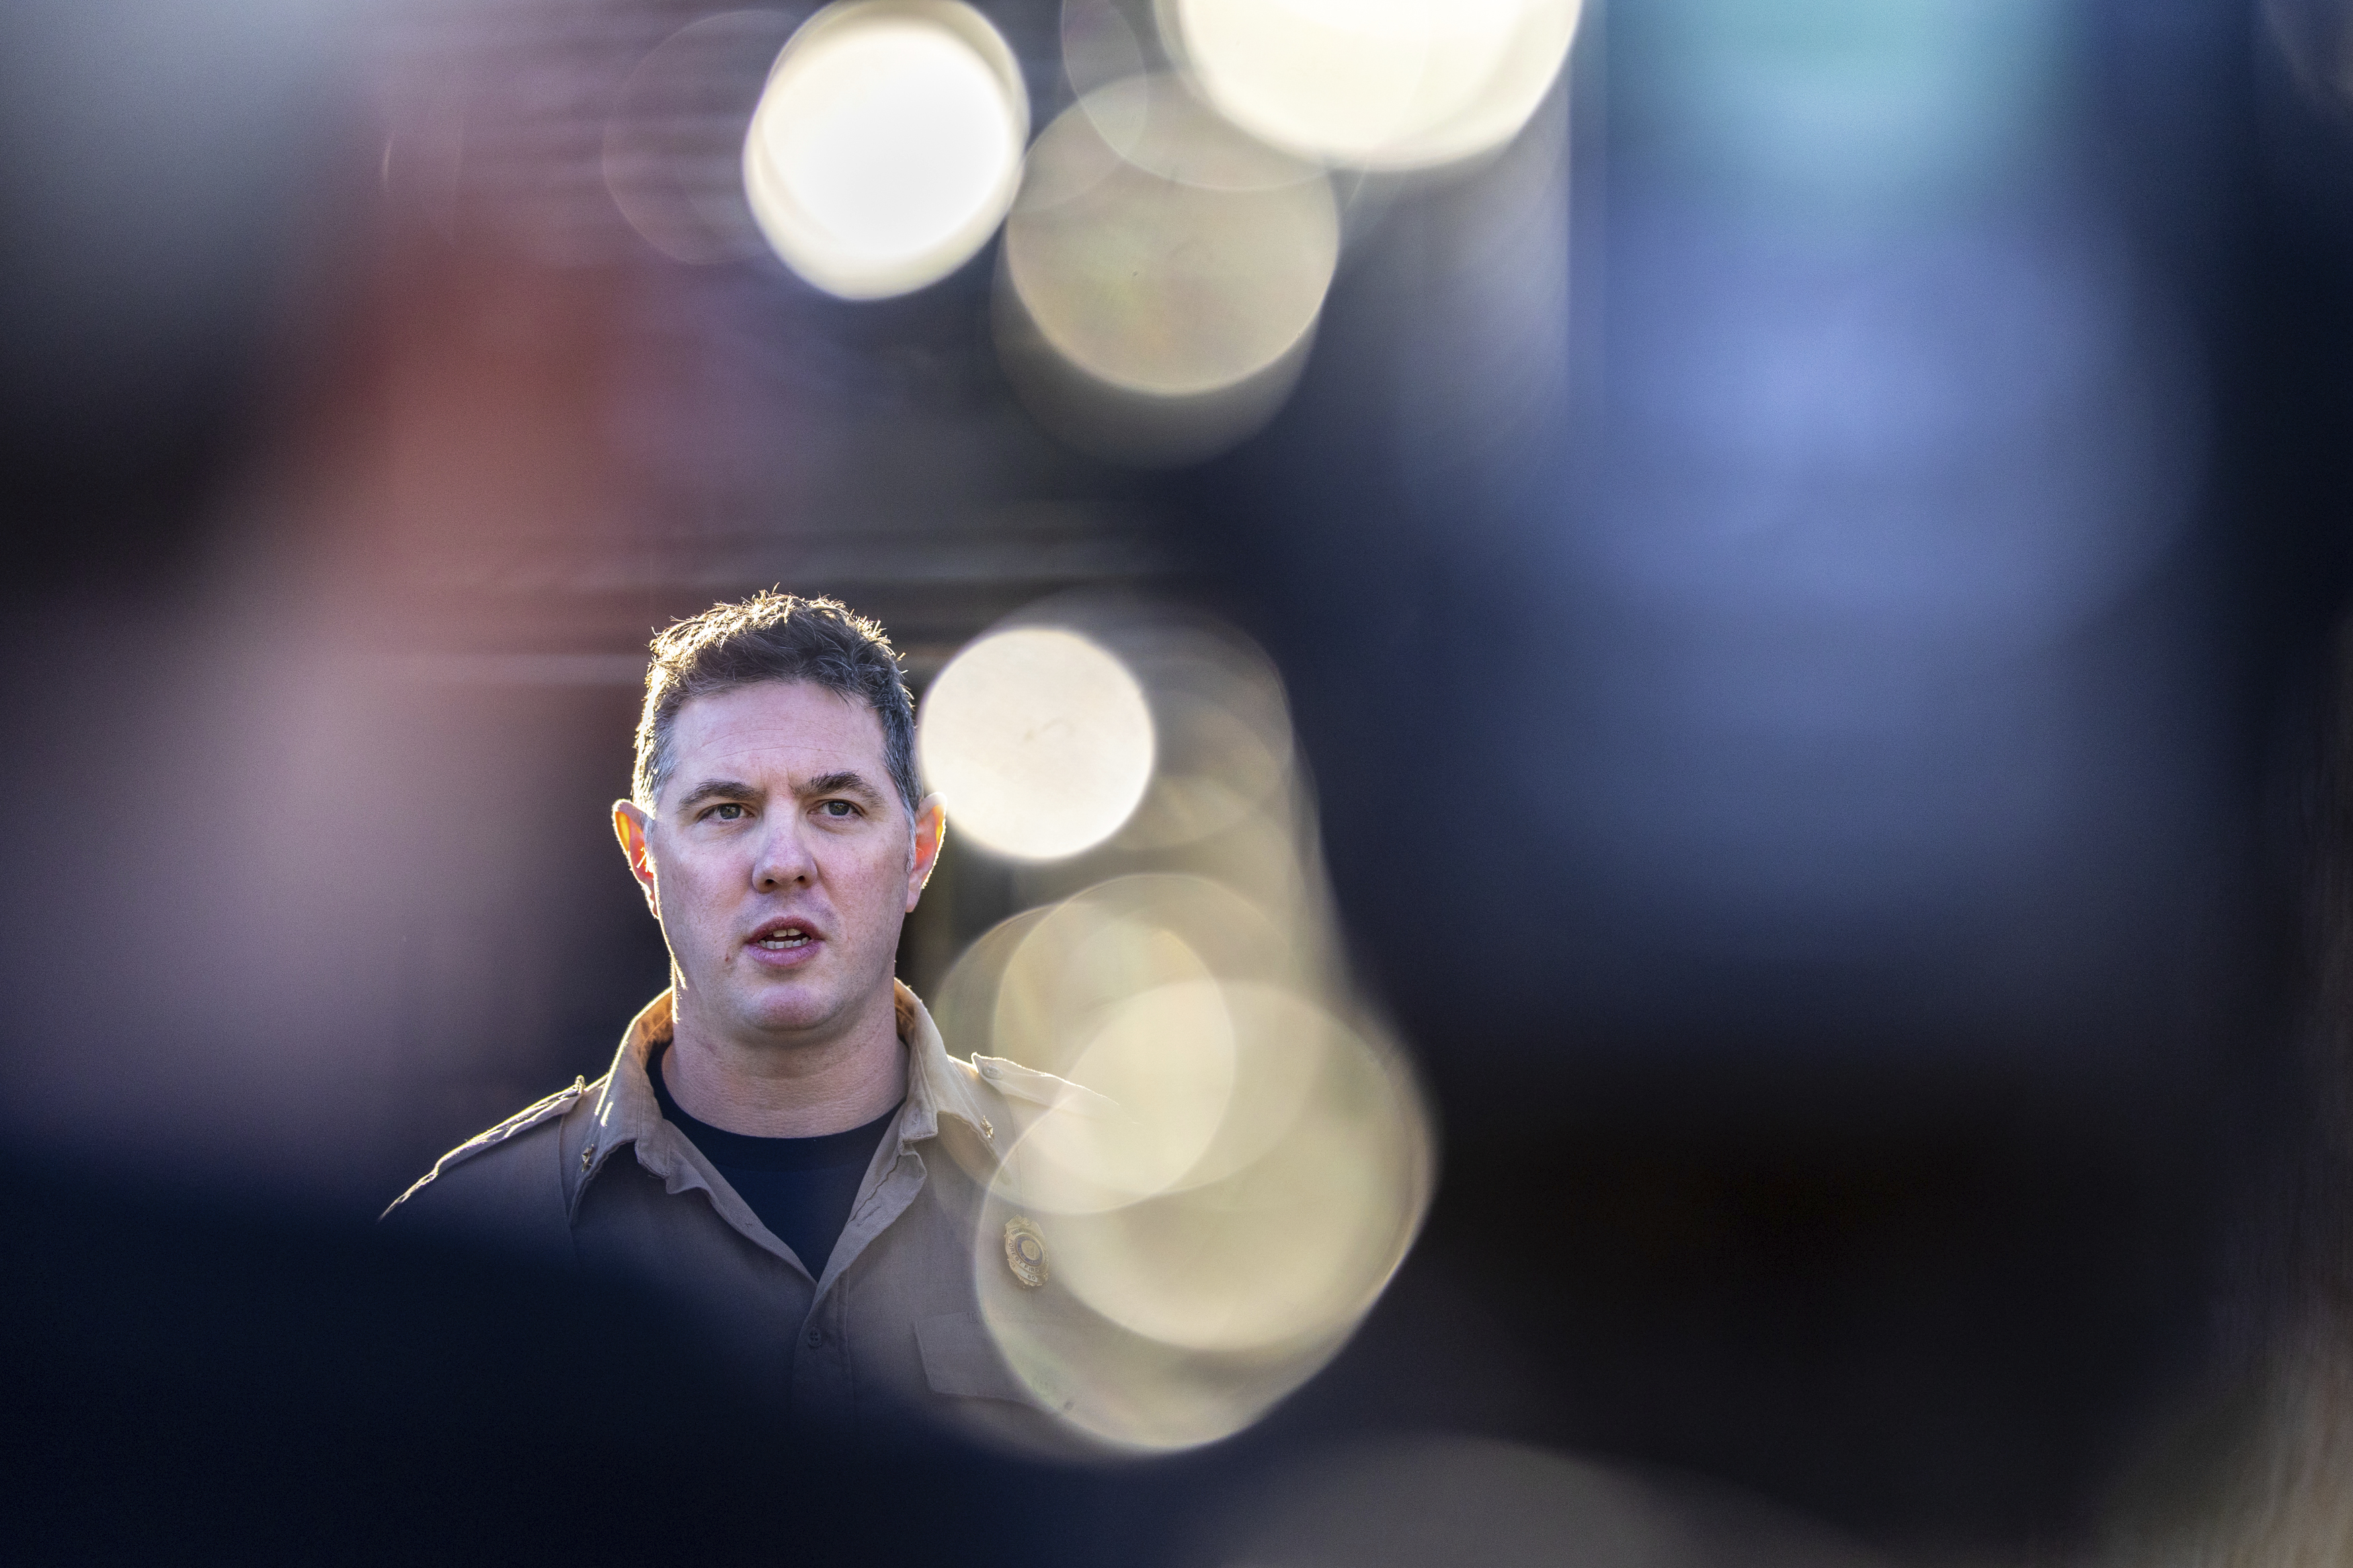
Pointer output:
x,y
842,783
716,789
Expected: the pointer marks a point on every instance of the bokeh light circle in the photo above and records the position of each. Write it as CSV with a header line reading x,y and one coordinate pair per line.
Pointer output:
x,y
1210,1290
1240,1155
673,158
1161,251
1039,986
1378,84
887,145
1039,740
1168,1059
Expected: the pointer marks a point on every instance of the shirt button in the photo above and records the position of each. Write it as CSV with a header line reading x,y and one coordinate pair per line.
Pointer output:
x,y
816,1337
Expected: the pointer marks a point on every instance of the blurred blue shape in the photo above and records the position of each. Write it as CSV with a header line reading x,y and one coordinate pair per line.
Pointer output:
x,y
1858,664
1842,106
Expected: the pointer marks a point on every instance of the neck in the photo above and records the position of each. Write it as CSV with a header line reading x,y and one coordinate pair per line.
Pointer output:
x,y
798,1090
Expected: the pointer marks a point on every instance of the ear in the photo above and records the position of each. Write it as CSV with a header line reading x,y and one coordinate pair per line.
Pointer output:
x,y
923,851
631,822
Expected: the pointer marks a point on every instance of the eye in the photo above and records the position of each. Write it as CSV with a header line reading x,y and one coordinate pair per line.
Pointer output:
x,y
726,811
838,810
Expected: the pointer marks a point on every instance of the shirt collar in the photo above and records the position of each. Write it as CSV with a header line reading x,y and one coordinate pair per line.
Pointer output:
x,y
937,1084
627,1112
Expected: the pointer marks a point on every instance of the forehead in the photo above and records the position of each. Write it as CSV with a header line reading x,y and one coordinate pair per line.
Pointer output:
x,y
775,731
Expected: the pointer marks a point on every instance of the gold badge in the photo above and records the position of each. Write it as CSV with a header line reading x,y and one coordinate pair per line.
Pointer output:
x,y
1025,1252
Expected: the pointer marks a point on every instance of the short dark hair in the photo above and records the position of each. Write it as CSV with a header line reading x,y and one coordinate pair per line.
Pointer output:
x,y
774,637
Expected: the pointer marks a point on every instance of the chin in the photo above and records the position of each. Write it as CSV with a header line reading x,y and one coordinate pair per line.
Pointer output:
x,y
782,1011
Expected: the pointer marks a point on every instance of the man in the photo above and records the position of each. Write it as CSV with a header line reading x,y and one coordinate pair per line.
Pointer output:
x,y
783,1141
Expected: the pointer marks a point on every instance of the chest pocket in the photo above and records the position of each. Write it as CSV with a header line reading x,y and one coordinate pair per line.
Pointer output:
x,y
961,1360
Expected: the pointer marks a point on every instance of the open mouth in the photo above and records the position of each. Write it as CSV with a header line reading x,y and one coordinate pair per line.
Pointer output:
x,y
784,938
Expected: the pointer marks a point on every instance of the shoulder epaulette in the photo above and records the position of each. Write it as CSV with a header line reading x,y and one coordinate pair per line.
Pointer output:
x,y
530,1116
522,1120
1012,1079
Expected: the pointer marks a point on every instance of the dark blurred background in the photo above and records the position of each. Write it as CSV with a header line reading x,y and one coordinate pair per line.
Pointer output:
x,y
1806,586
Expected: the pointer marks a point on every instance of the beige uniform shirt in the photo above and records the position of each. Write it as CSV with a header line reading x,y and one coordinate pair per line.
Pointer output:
x,y
595,1179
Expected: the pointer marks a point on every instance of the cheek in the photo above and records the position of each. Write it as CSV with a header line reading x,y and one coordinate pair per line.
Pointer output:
x,y
881,881
691,886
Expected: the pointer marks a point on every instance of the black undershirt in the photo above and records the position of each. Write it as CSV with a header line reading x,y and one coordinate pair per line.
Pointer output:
x,y
801,1188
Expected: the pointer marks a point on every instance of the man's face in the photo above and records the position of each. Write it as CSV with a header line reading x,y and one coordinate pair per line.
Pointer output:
x,y
780,862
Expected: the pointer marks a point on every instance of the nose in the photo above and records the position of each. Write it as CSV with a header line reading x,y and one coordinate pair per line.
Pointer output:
x,y
783,859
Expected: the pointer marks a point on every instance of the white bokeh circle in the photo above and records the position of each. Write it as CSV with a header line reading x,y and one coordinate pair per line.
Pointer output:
x,y
1039,741
887,145
1378,84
